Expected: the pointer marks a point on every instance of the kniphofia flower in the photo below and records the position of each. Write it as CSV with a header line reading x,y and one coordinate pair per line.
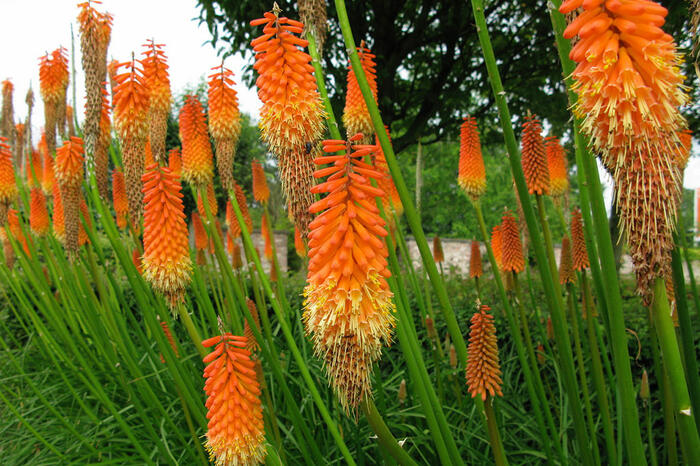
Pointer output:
x,y
266,232
556,164
224,121
512,247
578,242
8,185
438,254
386,183
356,117
157,80
315,17
348,304
211,202
130,103
119,201
69,175
53,83
48,176
197,157
475,268
483,367
38,213
166,258
231,221
7,116
472,174
235,431
534,157
261,192
566,265
175,161
497,245
34,169
299,245
248,333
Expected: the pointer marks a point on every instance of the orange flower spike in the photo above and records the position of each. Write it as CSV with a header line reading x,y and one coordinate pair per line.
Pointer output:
x,y
38,213
34,169
69,163
252,345
197,157
356,117
438,254
299,245
512,247
200,234
82,234
169,337
292,113
166,258
267,237
175,161
483,367
566,266
15,230
534,157
261,192
235,431
211,202
475,267
224,121
121,206
231,220
48,176
497,245
157,81
580,254
348,308
556,163
136,260
59,227
8,185
472,174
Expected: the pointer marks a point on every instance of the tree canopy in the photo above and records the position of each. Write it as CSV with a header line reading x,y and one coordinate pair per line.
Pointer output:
x,y
430,70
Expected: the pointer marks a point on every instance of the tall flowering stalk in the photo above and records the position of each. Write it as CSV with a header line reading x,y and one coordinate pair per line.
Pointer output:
x,y
483,367
8,185
580,260
235,431
630,88
69,175
166,258
472,174
355,115
197,157
130,103
53,83
34,169
292,117
157,80
315,17
224,121
348,304
21,139
231,221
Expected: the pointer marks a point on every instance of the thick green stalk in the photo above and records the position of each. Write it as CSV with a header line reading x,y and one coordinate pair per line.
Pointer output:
x,y
551,286
409,209
650,437
687,428
618,335
499,456
191,329
321,84
384,436
692,373
597,371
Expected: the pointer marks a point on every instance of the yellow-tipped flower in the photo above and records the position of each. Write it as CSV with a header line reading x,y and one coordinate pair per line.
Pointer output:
x,y
512,247
224,121
556,164
472,174
356,116
157,80
348,304
8,185
235,432
69,175
53,83
566,265
483,367
166,258
197,158
475,267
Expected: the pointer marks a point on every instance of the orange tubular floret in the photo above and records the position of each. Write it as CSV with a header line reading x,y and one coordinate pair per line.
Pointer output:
x,y
472,174
355,115
8,186
224,117
130,103
156,77
497,245
483,367
235,431
197,156
69,163
261,192
38,213
166,258
348,305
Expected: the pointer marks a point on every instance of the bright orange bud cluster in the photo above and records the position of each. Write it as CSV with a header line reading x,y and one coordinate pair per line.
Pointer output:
x,y
48,176
175,161
38,213
8,186
483,367
472,174
224,121
534,157
556,165
157,80
261,192
235,432
348,304
69,163
166,258
566,265
512,248
267,237
121,206
53,84
34,169
197,157
211,201
292,113
355,115
475,267
580,254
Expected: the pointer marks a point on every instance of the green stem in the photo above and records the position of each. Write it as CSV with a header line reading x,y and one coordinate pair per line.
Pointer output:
x,y
650,437
551,286
687,429
321,84
191,329
546,234
499,455
384,436
689,266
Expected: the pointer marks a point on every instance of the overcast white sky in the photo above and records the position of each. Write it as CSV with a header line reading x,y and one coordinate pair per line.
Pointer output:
x,y
30,28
